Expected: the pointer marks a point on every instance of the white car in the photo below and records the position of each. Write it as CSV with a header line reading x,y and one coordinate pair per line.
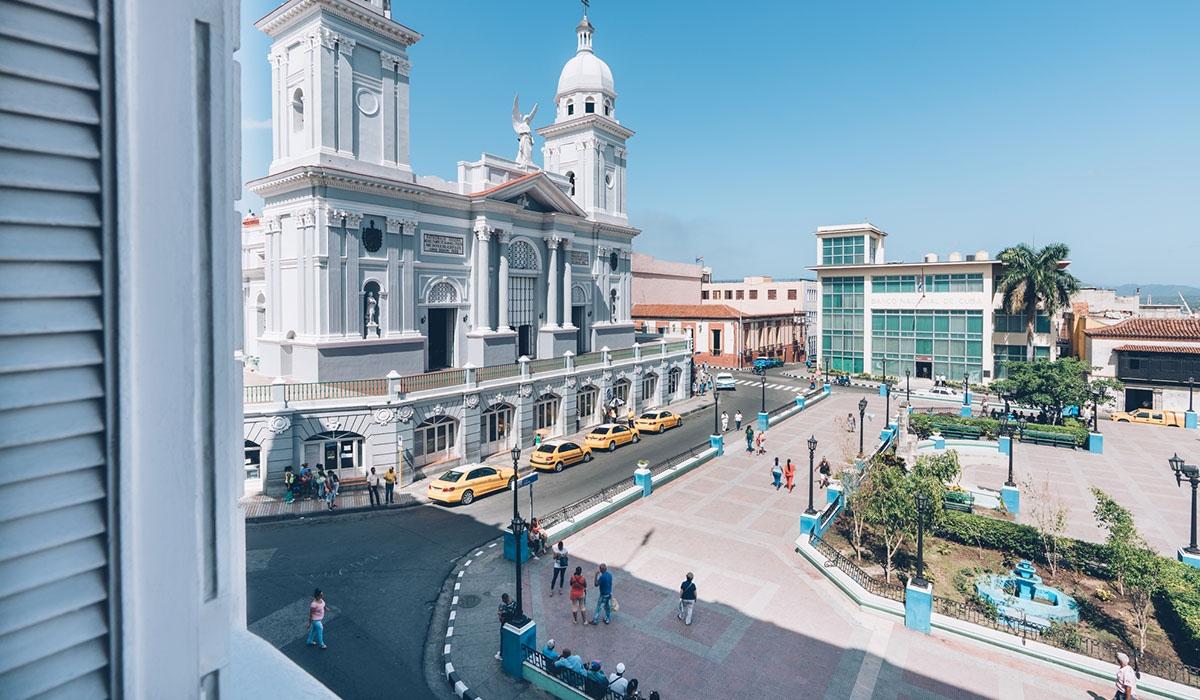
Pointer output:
x,y
943,391
724,380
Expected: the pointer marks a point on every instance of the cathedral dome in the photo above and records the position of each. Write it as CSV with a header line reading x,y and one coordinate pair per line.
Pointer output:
x,y
585,72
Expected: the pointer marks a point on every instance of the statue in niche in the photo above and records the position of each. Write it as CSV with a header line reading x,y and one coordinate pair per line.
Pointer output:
x,y
372,313
524,132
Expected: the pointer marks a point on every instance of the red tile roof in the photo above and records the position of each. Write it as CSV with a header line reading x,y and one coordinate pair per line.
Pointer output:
x,y
685,311
1164,349
1150,329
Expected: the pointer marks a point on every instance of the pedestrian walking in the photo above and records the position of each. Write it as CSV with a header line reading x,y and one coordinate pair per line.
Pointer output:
x,y
777,474
850,422
1126,679
578,597
604,600
320,480
373,488
789,475
724,421
749,439
560,568
761,441
289,482
332,483
687,599
737,420
389,485
825,471
505,613
316,620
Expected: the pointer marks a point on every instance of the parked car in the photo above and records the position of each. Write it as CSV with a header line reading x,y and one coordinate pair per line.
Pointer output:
x,y
943,391
724,380
610,436
657,421
465,484
1150,415
767,362
554,456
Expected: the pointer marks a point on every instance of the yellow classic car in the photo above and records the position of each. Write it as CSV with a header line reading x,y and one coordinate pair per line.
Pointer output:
x,y
554,456
465,484
657,421
1150,415
610,436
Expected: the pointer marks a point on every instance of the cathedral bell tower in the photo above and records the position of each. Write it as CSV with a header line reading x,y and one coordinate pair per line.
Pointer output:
x,y
586,143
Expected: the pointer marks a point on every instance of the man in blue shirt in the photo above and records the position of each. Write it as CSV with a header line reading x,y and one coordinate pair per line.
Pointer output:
x,y
549,652
604,586
569,661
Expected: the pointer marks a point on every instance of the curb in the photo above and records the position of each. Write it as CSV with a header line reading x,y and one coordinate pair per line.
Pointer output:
x,y
457,685
331,513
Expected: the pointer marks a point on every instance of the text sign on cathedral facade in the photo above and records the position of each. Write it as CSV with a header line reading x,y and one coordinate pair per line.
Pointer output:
x,y
580,258
443,244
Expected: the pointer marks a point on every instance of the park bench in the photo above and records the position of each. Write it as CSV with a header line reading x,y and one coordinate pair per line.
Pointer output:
x,y
959,500
1038,437
959,432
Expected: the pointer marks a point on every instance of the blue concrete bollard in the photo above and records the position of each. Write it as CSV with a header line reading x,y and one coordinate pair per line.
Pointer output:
x,y
827,388
764,421
800,401
1188,558
1010,496
833,492
1096,443
1004,444
918,606
885,434
642,477
883,389
512,638
509,549
939,442
1190,420
964,411
809,523
718,442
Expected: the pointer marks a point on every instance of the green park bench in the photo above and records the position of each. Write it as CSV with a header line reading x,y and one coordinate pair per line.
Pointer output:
x,y
958,432
1038,437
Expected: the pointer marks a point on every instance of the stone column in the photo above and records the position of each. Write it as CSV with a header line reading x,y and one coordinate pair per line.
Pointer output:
x,y
552,283
408,283
344,100
483,237
626,292
352,305
566,290
502,300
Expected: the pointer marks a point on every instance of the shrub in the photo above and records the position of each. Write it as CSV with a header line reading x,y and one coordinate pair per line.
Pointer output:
x,y
1022,541
923,425
1178,607
1074,428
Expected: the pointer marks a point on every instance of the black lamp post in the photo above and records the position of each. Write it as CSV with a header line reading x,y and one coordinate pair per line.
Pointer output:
x,y
1191,386
518,530
1192,473
1095,411
762,373
862,411
1011,428
827,369
887,396
716,411
966,389
922,508
812,451
907,385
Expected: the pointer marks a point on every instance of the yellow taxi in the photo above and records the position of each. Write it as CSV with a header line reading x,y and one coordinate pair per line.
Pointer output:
x,y
466,483
1151,416
657,421
610,436
553,456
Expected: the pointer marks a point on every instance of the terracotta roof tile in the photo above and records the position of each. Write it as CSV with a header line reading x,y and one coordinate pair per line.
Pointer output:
x,y
685,311
1150,329
1166,349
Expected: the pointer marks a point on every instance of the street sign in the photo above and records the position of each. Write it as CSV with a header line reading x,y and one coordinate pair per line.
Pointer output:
x,y
527,479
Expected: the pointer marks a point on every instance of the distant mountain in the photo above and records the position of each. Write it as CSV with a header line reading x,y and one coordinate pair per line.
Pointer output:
x,y
1163,293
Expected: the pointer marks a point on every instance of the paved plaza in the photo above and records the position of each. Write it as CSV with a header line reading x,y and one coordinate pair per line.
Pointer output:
x,y
766,624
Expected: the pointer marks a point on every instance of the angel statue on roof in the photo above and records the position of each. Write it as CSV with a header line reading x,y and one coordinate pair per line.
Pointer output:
x,y
524,132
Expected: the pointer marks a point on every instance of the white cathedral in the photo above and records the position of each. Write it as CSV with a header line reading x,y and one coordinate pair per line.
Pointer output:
x,y
357,267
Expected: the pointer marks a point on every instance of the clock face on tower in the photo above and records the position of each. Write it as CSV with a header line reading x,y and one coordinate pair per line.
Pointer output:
x,y
613,261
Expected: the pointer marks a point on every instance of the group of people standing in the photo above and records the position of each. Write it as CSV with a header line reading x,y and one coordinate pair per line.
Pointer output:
x,y
319,483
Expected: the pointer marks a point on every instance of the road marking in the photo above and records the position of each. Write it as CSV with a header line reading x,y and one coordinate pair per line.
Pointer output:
x,y
454,600
492,545
287,624
466,563
457,586
257,559
452,614
460,688
450,631
461,573
446,650
479,553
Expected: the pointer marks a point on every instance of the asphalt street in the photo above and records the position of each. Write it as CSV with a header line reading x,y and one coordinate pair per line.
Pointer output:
x,y
381,572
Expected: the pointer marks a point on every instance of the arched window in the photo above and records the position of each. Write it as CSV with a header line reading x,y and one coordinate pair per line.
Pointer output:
x,y
650,389
298,110
570,107
442,293
620,393
545,412
585,405
372,316
673,381
607,107
495,428
521,256
260,315
589,105
434,437
571,179
335,449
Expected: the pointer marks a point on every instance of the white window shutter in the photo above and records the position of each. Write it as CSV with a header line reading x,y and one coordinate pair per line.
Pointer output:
x,y
54,471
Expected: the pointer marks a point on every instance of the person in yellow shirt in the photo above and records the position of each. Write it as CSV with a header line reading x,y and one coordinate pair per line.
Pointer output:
x,y
389,485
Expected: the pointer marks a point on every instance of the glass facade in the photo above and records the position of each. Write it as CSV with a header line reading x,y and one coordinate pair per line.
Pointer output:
x,y
947,343
1015,323
842,323
966,282
1016,353
845,250
893,283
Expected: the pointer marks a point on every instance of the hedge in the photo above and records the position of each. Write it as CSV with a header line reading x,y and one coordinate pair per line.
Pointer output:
x,y
1178,604
923,424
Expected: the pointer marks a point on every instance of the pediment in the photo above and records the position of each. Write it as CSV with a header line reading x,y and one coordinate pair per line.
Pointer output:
x,y
535,192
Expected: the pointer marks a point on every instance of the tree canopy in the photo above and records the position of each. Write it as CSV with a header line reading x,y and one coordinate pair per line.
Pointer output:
x,y
1033,279
1052,385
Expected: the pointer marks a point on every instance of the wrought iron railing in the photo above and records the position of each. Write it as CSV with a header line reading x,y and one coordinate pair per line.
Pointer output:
x,y
548,364
589,358
663,465
487,374
622,354
256,393
677,346
433,380
351,389
567,676
891,591
571,510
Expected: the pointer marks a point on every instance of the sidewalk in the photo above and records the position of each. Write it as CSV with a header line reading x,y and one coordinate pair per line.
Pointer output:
x,y
766,624
263,508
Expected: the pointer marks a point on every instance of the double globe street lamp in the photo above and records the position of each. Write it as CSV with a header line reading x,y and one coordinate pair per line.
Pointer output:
x,y
1011,429
812,452
1191,473
518,530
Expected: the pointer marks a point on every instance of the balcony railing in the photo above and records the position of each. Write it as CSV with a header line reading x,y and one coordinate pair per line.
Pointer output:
x,y
487,374
589,358
318,391
432,380
548,364
257,393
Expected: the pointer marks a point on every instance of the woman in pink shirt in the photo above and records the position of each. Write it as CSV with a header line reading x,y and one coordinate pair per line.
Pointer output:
x,y
316,619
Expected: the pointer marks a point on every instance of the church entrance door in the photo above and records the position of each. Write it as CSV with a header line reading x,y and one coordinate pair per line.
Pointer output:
x,y
577,318
441,338
525,342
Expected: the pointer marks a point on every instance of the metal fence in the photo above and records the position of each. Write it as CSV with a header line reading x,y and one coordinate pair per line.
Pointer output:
x,y
571,510
575,679
256,393
318,391
433,380
487,374
589,358
891,591
548,364
663,465
622,354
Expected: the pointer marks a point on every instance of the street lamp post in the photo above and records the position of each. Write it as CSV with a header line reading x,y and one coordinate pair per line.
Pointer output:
x,y
812,451
887,411
966,389
1011,428
862,411
907,385
1192,473
762,373
1191,386
716,411
1095,411
922,508
518,530
827,369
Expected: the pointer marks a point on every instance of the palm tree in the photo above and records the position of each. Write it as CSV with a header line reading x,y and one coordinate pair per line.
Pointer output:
x,y
1032,279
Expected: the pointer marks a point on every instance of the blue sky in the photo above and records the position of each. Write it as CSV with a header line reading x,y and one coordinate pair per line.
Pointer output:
x,y
951,125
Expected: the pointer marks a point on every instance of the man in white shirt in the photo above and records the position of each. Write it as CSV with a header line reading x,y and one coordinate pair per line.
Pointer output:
x,y
617,682
1126,679
373,487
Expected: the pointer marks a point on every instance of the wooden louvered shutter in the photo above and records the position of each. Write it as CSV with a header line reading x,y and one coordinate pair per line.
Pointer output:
x,y
55,628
